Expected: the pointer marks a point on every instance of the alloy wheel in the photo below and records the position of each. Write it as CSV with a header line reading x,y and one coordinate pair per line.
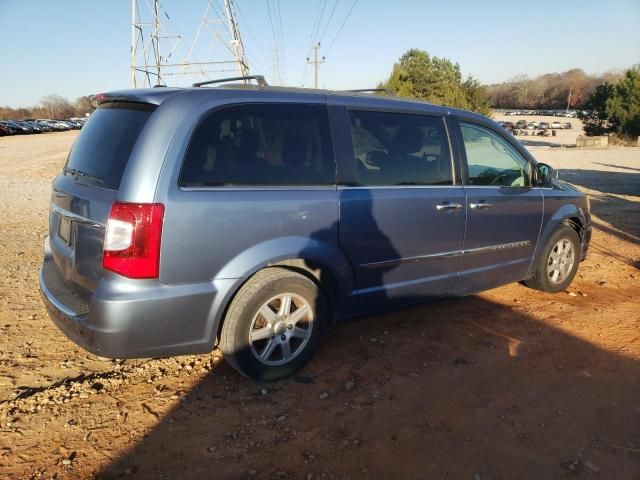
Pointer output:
x,y
561,260
281,329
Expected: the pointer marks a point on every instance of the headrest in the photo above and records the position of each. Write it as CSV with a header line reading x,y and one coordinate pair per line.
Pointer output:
x,y
407,140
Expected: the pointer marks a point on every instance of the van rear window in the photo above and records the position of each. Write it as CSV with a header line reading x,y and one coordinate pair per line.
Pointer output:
x,y
101,151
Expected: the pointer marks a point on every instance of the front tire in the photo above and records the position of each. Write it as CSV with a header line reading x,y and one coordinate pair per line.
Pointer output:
x,y
274,324
556,267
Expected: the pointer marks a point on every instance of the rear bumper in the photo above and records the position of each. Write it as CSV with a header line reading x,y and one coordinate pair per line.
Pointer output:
x,y
135,319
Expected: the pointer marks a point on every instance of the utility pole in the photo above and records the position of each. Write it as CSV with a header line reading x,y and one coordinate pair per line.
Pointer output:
x,y
569,99
315,64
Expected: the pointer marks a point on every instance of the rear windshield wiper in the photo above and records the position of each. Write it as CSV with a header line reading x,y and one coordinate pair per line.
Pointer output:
x,y
80,173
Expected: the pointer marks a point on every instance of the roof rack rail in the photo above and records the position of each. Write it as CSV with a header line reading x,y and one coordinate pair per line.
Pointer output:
x,y
372,90
258,78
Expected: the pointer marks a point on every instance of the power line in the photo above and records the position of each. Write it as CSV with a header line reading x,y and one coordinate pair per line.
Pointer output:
x,y
328,21
254,58
314,32
341,26
276,59
249,29
277,3
316,20
278,18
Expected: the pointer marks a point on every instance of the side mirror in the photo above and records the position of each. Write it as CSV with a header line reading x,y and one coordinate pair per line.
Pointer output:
x,y
545,173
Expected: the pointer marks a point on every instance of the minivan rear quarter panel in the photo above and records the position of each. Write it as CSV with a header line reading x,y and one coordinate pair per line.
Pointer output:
x,y
231,232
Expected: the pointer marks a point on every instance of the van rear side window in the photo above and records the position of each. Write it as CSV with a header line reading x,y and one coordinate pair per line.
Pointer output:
x,y
101,151
261,144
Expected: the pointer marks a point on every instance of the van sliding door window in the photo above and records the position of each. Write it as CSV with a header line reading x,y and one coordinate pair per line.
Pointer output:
x,y
400,149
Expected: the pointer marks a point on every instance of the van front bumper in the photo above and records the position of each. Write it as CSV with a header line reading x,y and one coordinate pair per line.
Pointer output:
x,y
125,319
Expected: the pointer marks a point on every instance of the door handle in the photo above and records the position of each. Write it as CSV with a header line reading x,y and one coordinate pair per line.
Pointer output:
x,y
448,206
480,205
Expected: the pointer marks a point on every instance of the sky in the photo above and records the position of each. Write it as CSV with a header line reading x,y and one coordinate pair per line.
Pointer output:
x,y
80,47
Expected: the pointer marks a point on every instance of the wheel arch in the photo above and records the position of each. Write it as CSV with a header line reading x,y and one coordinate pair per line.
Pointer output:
x,y
570,215
322,262
576,223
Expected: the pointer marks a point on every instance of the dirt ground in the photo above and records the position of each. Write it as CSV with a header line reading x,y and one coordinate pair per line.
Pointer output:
x,y
507,384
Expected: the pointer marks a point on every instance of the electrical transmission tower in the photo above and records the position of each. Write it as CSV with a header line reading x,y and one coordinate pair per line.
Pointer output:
x,y
316,63
156,54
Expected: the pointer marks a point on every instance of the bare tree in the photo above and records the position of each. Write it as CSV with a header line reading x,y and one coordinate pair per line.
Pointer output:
x,y
522,88
569,89
57,106
82,106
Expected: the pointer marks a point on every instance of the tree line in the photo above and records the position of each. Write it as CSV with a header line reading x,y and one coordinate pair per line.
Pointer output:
x,y
417,74
608,103
51,106
611,100
614,107
551,91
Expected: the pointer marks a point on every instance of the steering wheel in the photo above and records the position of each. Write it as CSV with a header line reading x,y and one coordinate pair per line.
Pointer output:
x,y
497,180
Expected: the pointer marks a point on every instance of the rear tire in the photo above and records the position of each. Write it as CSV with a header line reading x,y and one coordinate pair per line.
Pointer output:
x,y
557,265
274,324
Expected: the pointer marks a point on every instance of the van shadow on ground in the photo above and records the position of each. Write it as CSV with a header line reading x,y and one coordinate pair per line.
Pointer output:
x,y
457,387
622,214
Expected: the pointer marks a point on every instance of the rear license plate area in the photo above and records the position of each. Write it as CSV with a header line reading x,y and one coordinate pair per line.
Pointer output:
x,y
64,230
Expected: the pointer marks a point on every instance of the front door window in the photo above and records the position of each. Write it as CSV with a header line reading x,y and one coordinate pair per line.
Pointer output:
x,y
491,160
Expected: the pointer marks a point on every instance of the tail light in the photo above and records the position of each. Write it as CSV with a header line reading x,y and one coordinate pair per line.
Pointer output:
x,y
132,239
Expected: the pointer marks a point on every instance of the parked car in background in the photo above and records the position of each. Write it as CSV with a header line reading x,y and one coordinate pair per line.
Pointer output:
x,y
45,127
506,125
543,125
57,125
7,129
567,125
20,129
29,126
521,124
253,218
532,125
556,125
35,128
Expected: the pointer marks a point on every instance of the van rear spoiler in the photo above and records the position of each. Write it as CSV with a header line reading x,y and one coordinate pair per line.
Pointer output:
x,y
153,96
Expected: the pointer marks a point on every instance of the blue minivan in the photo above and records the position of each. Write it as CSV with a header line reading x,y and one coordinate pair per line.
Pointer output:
x,y
253,217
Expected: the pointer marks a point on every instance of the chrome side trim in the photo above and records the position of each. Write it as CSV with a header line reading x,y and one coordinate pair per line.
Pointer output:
x,y
496,248
417,259
453,253
397,187
497,187
261,188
